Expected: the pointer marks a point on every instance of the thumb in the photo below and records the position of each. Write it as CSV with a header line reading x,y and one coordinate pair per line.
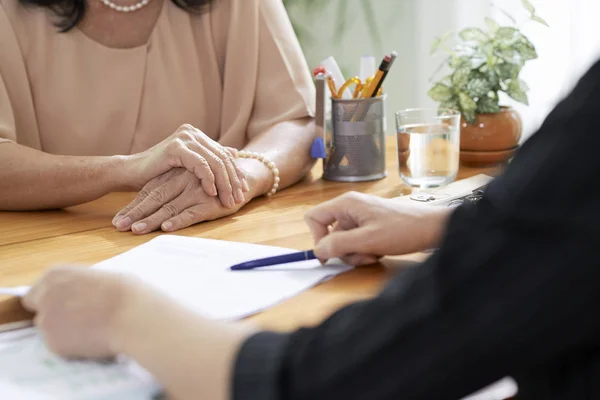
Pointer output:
x,y
342,243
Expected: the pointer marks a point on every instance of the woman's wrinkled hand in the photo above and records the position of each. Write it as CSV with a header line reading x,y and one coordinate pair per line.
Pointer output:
x,y
172,201
212,164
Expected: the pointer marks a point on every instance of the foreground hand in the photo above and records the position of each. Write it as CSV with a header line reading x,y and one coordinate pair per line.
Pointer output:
x,y
189,148
77,310
361,228
172,201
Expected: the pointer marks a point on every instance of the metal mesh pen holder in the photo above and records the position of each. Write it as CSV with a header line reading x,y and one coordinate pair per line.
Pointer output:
x,y
356,144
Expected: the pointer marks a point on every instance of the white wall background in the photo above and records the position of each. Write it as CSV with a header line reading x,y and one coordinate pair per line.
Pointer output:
x,y
566,49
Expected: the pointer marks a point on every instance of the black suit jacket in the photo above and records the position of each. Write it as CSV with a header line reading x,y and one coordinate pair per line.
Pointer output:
x,y
513,291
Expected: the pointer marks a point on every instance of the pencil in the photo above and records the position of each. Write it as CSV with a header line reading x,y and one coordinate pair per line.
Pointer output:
x,y
387,70
379,76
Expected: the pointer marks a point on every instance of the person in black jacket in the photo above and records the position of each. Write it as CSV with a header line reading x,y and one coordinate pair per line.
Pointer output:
x,y
513,290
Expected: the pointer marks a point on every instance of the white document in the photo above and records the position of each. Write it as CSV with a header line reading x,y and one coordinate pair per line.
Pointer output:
x,y
196,273
18,291
29,371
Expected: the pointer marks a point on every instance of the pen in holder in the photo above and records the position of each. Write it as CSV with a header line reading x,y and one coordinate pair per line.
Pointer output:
x,y
356,149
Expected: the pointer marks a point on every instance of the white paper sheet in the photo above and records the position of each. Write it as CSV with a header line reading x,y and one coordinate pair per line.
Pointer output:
x,y
19,291
29,371
196,273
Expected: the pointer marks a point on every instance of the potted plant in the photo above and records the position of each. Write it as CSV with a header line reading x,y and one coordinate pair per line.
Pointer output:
x,y
483,63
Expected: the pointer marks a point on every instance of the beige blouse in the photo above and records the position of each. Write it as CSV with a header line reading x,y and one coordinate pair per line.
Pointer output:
x,y
233,73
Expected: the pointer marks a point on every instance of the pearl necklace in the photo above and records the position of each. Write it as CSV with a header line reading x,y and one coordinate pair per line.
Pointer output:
x,y
125,9
268,163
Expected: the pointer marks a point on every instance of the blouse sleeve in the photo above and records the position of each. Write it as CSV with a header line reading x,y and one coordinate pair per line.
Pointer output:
x,y
7,40
266,79
284,88
7,120
18,122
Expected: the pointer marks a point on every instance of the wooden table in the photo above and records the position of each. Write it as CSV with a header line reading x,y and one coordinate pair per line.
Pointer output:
x,y
31,242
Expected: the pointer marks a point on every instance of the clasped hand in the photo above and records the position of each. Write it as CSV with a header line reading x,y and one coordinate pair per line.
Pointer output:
x,y
187,178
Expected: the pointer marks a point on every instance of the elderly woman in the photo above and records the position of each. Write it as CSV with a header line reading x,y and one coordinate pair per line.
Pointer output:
x,y
99,96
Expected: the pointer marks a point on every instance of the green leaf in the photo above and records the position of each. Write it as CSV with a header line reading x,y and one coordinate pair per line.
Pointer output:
x,y
523,85
468,107
507,32
440,92
492,78
460,77
474,35
509,55
516,92
540,20
435,46
506,14
488,105
478,86
491,24
507,70
470,116
451,104
456,62
525,49
528,6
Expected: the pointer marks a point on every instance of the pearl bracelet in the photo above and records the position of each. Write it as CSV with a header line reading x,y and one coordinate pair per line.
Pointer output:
x,y
270,164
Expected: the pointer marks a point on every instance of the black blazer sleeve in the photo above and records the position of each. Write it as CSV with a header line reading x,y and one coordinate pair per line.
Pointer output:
x,y
514,286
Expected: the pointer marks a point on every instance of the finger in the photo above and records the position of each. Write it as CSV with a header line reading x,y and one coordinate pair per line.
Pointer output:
x,y
219,172
194,162
233,174
151,203
243,178
31,300
228,161
223,171
360,259
189,217
240,172
344,243
321,217
232,151
164,213
150,186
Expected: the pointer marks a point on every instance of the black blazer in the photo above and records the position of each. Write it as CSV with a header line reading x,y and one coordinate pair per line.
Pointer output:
x,y
513,291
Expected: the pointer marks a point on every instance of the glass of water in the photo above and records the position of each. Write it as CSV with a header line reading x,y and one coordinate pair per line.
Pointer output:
x,y
428,146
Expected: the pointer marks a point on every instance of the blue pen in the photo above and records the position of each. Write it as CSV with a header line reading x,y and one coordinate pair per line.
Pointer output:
x,y
284,259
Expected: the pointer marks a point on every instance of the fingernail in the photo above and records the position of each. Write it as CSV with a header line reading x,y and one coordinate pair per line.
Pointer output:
x,y
140,227
214,192
167,226
116,219
231,202
245,185
123,223
239,196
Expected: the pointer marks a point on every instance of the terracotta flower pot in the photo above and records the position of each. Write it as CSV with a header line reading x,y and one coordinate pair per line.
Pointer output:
x,y
492,139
